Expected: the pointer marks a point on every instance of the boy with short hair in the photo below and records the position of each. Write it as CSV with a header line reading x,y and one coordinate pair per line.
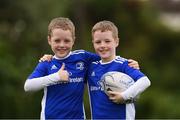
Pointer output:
x,y
63,77
111,106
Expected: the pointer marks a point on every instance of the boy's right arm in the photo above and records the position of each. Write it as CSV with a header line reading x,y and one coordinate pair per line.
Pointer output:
x,y
94,57
39,83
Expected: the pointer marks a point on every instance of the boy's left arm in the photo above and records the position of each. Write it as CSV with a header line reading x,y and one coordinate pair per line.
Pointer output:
x,y
131,62
136,89
46,57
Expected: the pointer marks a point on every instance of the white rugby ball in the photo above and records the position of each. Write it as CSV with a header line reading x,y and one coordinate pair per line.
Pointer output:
x,y
115,81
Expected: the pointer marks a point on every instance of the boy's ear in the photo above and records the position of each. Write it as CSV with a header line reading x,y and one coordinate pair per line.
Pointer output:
x,y
117,42
49,40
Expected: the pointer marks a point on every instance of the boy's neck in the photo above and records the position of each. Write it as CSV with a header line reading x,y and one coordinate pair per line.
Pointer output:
x,y
108,60
61,58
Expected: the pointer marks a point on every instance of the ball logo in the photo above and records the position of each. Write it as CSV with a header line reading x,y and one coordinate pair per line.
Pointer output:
x,y
126,81
80,65
115,81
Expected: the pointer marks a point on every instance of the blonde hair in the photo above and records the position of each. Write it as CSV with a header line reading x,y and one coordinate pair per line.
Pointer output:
x,y
62,23
105,26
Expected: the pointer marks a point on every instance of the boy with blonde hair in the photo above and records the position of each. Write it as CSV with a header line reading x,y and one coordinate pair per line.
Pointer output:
x,y
63,77
112,105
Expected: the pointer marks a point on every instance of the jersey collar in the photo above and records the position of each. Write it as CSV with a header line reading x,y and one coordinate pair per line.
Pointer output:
x,y
104,63
63,57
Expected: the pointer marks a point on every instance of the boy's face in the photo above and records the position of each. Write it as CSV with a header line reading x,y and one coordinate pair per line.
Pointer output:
x,y
61,42
105,45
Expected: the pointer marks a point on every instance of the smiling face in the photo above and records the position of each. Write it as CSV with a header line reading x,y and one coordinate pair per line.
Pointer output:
x,y
105,45
61,42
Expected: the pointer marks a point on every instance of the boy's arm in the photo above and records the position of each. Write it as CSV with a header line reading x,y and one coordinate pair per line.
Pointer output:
x,y
93,57
133,63
46,57
39,83
136,89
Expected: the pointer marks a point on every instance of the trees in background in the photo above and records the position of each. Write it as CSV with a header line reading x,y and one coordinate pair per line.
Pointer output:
x,y
143,37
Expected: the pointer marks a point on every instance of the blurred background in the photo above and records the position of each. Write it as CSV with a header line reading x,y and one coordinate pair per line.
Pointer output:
x,y
149,32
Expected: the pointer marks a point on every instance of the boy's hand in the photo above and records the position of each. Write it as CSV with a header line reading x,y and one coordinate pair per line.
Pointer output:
x,y
46,57
133,63
63,74
115,97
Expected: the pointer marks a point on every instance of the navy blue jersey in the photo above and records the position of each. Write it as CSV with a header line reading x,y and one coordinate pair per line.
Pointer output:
x,y
101,106
65,100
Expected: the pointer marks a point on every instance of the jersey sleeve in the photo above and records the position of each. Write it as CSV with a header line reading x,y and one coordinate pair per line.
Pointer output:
x,y
141,83
40,79
133,73
136,89
40,70
91,57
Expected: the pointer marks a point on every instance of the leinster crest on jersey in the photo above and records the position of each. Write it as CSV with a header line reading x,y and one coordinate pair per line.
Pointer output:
x,y
80,65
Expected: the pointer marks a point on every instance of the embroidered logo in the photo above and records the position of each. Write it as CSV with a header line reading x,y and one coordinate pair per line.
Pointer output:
x,y
53,67
93,73
80,65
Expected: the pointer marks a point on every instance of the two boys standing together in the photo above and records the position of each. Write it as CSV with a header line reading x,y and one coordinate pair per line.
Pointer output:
x,y
64,77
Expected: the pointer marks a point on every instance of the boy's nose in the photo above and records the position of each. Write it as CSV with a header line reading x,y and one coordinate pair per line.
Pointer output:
x,y
61,44
102,44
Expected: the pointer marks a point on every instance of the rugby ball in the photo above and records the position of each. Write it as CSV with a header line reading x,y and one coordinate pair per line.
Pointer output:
x,y
115,81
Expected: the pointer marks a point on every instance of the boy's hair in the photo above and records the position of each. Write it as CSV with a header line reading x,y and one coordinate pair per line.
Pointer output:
x,y
62,23
105,26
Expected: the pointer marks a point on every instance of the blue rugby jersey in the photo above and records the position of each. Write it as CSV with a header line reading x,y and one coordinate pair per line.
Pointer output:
x,y
101,106
65,100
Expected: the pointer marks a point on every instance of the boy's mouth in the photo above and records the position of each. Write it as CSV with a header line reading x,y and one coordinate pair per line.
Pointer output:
x,y
61,50
103,51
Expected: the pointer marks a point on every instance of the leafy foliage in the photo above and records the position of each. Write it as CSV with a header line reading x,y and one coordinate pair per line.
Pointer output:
x,y
23,31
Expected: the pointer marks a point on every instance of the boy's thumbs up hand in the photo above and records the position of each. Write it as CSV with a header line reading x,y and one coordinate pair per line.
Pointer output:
x,y
63,74
62,67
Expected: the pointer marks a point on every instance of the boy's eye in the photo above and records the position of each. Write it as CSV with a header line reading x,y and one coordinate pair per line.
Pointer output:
x,y
56,40
66,41
98,42
107,41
